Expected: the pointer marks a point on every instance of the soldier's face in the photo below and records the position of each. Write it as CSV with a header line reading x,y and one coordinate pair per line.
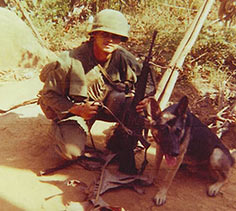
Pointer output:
x,y
106,42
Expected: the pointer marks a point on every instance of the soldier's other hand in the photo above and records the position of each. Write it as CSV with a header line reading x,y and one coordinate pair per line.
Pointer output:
x,y
85,110
142,105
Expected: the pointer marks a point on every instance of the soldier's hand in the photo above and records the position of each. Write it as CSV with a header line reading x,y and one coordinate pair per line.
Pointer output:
x,y
85,110
142,105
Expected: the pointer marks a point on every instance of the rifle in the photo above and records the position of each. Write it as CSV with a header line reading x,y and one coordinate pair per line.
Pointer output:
x,y
124,143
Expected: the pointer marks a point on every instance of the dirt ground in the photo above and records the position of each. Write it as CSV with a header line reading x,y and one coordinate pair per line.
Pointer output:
x,y
25,149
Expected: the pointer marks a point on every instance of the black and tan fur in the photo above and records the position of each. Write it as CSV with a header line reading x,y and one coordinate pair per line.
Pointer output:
x,y
180,135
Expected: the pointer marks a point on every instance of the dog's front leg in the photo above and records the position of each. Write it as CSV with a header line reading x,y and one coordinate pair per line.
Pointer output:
x,y
160,197
158,159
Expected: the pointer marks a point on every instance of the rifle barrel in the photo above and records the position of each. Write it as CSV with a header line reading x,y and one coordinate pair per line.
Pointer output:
x,y
142,80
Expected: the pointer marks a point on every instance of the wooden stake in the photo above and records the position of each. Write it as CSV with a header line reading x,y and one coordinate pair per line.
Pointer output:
x,y
167,83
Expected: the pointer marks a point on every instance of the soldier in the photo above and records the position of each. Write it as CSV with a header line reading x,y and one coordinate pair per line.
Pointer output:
x,y
97,71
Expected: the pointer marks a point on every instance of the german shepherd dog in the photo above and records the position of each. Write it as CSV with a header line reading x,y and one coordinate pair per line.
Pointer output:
x,y
181,136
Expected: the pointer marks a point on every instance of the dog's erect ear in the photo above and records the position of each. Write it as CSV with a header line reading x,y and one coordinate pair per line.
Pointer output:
x,y
155,109
182,106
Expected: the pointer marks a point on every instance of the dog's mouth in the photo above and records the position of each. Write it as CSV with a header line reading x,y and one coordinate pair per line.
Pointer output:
x,y
170,160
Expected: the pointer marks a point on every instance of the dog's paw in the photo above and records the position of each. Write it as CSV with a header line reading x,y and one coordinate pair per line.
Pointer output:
x,y
159,199
214,189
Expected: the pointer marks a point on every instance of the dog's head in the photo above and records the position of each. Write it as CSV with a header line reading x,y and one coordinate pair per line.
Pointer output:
x,y
168,127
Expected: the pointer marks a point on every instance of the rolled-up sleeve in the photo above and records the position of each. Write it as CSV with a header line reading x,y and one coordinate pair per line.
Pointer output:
x,y
54,91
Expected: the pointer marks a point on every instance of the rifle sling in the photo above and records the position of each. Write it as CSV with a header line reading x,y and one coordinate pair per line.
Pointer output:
x,y
104,72
143,141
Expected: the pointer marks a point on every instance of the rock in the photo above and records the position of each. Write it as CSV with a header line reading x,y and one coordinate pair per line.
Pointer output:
x,y
19,46
14,93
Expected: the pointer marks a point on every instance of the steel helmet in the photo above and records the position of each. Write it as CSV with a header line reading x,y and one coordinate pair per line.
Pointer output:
x,y
111,21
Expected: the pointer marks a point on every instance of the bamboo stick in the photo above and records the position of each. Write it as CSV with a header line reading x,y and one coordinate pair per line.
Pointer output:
x,y
167,83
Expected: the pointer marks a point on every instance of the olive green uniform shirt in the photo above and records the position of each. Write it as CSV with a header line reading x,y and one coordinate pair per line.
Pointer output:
x,y
70,78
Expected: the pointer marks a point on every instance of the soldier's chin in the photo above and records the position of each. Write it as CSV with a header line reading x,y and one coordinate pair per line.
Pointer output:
x,y
109,49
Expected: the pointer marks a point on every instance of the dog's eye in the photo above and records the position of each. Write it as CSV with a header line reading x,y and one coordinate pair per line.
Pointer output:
x,y
177,132
171,122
